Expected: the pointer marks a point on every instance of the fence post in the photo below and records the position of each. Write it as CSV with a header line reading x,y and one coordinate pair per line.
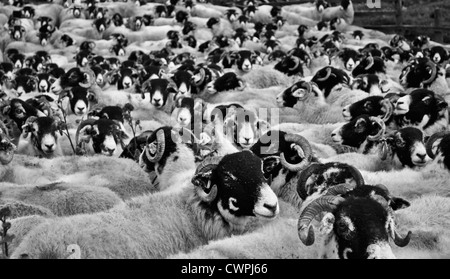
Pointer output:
x,y
438,35
399,15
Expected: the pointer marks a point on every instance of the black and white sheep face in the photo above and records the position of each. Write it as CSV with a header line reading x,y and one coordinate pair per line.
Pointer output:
x,y
368,83
356,132
350,58
7,148
372,106
185,112
159,90
82,58
300,92
25,84
106,135
80,100
439,54
229,81
242,189
420,108
44,134
17,32
101,24
183,81
420,73
245,60
359,229
44,82
410,148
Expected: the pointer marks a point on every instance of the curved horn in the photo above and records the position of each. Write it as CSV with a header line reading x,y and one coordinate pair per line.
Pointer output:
x,y
371,63
433,73
90,77
325,203
327,76
302,146
202,179
314,168
81,126
382,125
297,63
388,107
401,241
340,189
243,86
161,146
432,140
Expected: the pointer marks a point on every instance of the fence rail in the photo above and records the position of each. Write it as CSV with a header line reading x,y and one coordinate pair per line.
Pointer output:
x,y
437,29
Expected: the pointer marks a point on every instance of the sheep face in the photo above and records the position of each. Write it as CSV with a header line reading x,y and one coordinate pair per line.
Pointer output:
x,y
44,82
106,135
327,78
80,100
350,58
420,108
367,83
245,60
159,90
370,65
185,112
356,132
419,73
408,144
25,84
228,81
300,92
44,134
347,233
242,189
17,32
439,54
183,81
372,106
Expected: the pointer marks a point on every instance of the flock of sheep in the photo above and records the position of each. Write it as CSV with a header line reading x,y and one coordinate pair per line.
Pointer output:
x,y
183,129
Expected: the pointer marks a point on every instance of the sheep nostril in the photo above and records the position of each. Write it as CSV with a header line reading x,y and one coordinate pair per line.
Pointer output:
x,y
421,156
49,146
272,208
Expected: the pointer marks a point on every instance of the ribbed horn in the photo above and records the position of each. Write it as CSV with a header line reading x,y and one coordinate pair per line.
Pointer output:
x,y
433,73
161,146
380,133
340,189
401,241
325,203
297,63
304,176
305,147
327,76
371,63
389,108
432,140
202,179
81,126
90,77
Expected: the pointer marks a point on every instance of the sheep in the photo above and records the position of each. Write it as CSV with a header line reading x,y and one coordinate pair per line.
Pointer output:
x,y
60,199
160,155
313,12
344,11
123,177
313,107
187,215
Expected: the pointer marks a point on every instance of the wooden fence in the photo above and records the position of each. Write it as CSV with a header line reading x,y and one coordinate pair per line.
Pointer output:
x,y
436,31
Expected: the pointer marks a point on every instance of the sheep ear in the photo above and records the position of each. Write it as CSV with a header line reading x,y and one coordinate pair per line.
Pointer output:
x,y
360,125
327,223
398,203
263,126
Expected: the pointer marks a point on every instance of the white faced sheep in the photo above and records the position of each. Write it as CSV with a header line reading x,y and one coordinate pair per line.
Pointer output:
x,y
210,209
